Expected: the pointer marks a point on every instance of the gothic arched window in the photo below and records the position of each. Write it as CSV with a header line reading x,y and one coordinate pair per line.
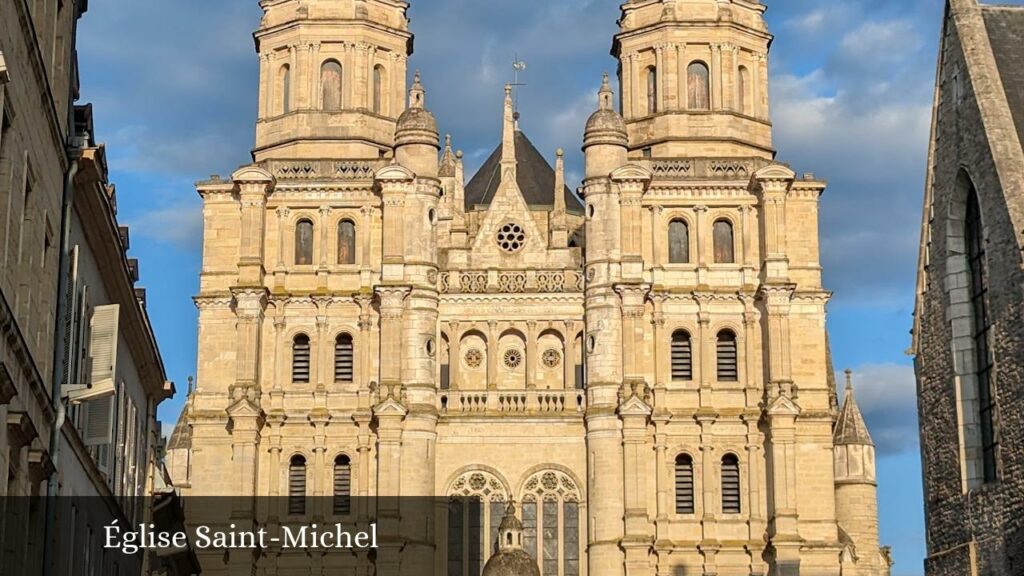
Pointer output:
x,y
304,242
300,359
344,358
551,522
725,252
682,356
378,89
346,242
726,354
684,484
342,485
331,85
982,327
698,81
476,506
652,90
731,485
678,242
297,485
283,91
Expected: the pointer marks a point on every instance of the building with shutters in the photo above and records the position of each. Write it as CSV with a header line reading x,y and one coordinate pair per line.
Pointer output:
x,y
968,336
642,367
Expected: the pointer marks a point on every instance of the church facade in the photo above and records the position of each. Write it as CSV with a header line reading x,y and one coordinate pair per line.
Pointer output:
x,y
643,368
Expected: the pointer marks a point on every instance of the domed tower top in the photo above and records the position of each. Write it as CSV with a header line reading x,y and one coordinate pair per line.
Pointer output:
x,y
511,559
694,78
332,78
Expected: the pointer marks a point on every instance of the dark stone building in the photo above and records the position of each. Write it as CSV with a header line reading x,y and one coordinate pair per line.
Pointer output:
x,y
969,324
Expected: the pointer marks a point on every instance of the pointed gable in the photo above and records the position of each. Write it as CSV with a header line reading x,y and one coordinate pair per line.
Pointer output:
x,y
1005,26
850,427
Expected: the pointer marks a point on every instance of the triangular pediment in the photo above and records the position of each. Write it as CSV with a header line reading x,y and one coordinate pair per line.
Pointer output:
x,y
509,221
634,406
783,406
390,407
244,408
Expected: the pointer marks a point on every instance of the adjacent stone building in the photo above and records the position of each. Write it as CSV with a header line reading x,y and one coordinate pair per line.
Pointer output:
x,y
968,336
642,368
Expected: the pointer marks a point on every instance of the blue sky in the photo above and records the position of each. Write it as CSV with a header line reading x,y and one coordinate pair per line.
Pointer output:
x,y
174,88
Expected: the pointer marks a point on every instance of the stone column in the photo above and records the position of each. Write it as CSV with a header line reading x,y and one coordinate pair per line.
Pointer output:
x,y
684,66
716,77
569,356
531,355
659,65
454,355
492,355
637,540
711,484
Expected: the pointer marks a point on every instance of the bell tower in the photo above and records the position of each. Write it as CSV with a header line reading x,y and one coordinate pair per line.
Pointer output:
x,y
332,78
694,78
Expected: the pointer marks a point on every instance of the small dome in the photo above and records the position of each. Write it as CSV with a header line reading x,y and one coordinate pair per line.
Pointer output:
x,y
514,562
606,126
606,120
417,119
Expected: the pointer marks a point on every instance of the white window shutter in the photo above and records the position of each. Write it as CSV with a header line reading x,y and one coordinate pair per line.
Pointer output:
x,y
98,425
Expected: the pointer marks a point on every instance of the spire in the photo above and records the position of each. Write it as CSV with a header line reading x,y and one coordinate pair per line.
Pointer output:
x,y
605,95
508,135
850,427
417,95
448,164
511,530
559,182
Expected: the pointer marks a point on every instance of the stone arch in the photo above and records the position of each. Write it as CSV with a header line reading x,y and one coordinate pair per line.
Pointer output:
x,y
473,349
552,508
511,360
552,353
698,82
331,85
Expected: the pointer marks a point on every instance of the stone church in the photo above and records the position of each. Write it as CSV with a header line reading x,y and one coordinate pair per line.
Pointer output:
x,y
639,370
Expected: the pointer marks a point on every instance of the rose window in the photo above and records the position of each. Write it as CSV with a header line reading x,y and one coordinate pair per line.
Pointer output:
x,y
513,358
511,237
474,358
551,358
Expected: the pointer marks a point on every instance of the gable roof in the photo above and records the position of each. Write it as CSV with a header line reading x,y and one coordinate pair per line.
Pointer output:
x,y
535,177
1005,26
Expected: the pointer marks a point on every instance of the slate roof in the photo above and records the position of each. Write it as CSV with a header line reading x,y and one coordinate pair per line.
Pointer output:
x,y
1005,26
181,437
536,179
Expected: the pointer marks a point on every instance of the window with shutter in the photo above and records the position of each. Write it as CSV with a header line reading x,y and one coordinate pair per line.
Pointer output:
x,y
684,484
344,353
342,485
297,486
682,356
727,357
100,414
300,359
731,484
725,252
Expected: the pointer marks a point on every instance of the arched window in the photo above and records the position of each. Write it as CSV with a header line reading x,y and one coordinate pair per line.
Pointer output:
x,y
342,485
682,356
297,485
652,90
742,88
725,252
300,359
727,357
331,84
731,484
698,82
684,484
346,242
982,327
304,243
283,90
551,516
378,89
343,358
476,507
678,242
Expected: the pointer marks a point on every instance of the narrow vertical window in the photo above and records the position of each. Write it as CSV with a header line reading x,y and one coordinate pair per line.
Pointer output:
x,y
727,357
331,84
743,89
682,356
652,90
549,543
456,542
684,484
300,359
346,242
530,528
580,371
678,242
698,81
571,538
344,356
297,486
304,243
342,485
445,362
725,252
378,89
283,90
982,328
731,484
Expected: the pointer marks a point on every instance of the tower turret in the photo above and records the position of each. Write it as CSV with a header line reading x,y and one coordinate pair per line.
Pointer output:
x,y
417,140
332,78
605,142
511,559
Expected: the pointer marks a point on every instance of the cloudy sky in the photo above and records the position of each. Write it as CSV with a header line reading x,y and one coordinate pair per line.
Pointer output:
x,y
174,88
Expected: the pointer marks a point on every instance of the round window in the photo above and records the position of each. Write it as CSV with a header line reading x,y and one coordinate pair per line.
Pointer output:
x,y
474,358
513,358
552,358
511,237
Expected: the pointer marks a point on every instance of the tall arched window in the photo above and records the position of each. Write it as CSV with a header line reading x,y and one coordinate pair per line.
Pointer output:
x,y
344,354
304,243
731,485
725,252
682,356
551,516
684,484
331,84
678,242
342,485
283,90
652,90
743,88
300,359
982,327
699,84
378,89
476,507
346,242
726,354
297,485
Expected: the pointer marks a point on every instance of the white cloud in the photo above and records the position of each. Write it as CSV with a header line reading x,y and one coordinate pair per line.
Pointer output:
x,y
180,226
887,396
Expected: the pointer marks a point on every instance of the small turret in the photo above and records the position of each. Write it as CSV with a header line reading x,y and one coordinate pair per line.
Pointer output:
x,y
604,141
417,141
511,559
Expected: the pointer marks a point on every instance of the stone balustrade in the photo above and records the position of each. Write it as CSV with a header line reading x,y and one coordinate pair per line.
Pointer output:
x,y
464,402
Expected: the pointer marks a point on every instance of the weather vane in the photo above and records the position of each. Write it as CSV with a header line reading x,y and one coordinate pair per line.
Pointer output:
x,y
519,66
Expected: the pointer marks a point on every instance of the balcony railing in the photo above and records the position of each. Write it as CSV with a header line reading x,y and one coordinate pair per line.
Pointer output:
x,y
459,402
